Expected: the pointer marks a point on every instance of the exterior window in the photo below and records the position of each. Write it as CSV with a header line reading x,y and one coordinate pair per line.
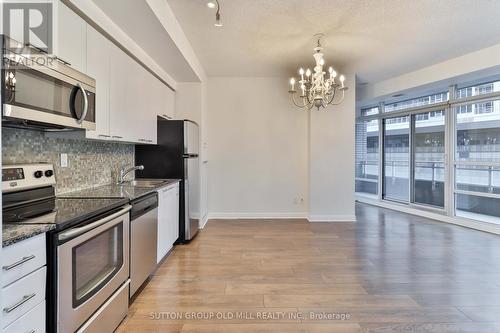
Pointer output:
x,y
478,132
477,161
416,162
367,155
370,111
429,158
396,158
485,88
421,101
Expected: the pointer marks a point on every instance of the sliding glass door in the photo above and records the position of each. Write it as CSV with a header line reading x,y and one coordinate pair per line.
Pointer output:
x,y
396,143
414,159
367,156
428,158
477,161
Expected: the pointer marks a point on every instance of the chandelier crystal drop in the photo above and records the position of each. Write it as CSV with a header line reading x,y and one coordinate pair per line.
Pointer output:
x,y
318,89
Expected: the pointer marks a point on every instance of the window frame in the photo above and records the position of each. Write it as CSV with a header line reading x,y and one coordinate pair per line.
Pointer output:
x,y
449,107
377,180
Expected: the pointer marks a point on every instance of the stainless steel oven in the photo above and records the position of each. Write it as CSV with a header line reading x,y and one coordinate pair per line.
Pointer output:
x,y
92,267
42,92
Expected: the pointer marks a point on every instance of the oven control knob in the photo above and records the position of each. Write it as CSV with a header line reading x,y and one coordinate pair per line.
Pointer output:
x,y
49,173
38,174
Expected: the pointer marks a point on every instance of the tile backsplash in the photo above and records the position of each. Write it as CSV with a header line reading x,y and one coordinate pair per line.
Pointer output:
x,y
91,163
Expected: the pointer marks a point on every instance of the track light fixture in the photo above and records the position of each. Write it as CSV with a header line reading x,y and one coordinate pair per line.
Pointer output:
x,y
212,5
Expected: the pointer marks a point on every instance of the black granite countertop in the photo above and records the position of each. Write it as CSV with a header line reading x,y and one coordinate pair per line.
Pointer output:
x,y
67,209
118,191
60,212
13,233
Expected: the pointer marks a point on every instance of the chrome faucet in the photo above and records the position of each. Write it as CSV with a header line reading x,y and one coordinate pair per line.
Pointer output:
x,y
124,172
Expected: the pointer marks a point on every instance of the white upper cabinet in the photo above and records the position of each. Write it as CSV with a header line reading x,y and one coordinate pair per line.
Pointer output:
x,y
98,67
120,79
70,37
129,101
128,97
147,111
156,97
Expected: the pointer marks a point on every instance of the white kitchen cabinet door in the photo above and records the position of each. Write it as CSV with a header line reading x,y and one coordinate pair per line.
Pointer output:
x,y
98,62
22,258
70,32
145,110
158,98
32,321
21,296
168,219
119,80
174,213
163,245
130,115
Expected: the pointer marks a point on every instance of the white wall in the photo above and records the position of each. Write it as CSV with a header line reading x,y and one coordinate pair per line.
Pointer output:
x,y
332,160
188,101
258,144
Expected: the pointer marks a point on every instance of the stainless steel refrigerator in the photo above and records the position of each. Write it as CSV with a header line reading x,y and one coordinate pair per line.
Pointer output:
x,y
176,156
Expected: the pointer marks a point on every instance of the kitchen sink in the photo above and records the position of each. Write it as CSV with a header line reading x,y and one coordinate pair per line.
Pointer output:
x,y
142,183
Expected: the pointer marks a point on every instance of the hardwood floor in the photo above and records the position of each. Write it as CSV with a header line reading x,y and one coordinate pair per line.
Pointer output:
x,y
389,272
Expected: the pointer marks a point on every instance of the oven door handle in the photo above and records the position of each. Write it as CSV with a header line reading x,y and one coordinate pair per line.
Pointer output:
x,y
85,103
72,233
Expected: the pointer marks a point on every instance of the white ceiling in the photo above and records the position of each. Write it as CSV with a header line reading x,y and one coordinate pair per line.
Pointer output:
x,y
137,20
377,38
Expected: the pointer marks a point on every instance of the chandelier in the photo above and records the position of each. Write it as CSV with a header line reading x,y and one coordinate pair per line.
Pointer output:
x,y
318,89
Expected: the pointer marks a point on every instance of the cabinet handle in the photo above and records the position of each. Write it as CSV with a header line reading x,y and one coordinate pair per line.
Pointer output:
x,y
18,304
117,137
18,263
104,136
149,140
32,331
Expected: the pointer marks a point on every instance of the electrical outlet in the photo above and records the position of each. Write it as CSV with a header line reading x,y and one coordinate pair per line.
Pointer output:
x,y
64,160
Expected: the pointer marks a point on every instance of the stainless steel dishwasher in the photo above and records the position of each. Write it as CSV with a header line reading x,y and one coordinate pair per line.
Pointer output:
x,y
143,238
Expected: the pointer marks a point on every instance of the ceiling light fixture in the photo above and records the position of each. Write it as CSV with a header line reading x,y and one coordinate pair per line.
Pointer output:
x,y
212,5
317,89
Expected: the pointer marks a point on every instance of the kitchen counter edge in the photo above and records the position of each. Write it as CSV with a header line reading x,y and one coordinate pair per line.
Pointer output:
x,y
15,233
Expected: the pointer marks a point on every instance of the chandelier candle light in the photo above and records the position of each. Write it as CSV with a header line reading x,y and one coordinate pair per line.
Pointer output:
x,y
318,89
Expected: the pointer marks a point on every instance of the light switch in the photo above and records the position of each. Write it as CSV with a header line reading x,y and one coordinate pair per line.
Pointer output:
x,y
64,160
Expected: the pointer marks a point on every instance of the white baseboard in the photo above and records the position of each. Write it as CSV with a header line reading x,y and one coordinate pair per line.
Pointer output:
x,y
203,222
235,216
332,218
300,215
472,224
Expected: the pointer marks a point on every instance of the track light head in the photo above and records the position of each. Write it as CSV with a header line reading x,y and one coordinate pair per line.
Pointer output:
x,y
218,22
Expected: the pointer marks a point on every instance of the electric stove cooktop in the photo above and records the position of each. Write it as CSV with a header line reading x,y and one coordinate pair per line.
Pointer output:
x,y
63,213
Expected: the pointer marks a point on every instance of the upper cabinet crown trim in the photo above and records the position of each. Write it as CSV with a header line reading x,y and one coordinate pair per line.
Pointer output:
x,y
96,18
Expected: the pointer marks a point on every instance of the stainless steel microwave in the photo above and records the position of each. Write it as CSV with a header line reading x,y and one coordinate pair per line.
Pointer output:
x,y
42,92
